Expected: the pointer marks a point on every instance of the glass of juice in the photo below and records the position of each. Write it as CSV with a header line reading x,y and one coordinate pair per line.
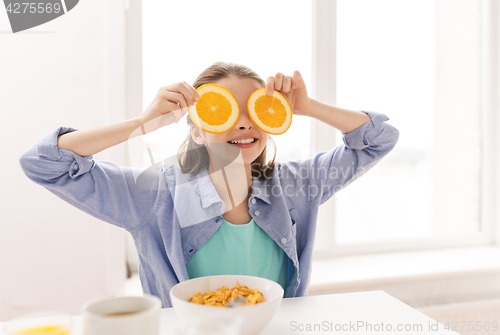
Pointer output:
x,y
43,323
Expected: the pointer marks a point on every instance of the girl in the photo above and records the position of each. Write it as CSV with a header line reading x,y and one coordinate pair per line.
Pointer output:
x,y
190,219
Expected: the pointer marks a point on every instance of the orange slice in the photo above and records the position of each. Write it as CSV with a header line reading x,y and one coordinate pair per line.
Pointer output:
x,y
217,110
272,114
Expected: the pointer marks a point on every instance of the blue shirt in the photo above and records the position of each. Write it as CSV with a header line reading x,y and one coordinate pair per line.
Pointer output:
x,y
171,215
243,249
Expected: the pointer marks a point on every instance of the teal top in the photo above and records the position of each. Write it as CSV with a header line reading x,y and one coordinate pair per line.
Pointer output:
x,y
240,249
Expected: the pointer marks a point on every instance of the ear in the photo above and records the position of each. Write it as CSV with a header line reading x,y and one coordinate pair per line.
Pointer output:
x,y
197,135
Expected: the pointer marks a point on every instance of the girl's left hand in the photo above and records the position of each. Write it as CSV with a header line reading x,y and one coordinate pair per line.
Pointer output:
x,y
293,88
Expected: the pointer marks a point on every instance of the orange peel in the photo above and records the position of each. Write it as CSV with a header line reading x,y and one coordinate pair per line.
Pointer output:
x,y
216,111
272,114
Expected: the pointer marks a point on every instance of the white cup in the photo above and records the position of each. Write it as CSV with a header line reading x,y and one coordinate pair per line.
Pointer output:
x,y
128,315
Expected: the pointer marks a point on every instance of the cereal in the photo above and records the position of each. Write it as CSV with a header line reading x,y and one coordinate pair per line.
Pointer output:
x,y
224,295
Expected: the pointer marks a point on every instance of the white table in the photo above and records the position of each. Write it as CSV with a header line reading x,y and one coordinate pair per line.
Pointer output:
x,y
351,311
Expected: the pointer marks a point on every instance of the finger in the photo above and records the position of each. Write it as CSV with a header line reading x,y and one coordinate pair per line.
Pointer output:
x,y
279,81
296,78
192,96
270,86
182,88
172,107
176,98
287,84
196,95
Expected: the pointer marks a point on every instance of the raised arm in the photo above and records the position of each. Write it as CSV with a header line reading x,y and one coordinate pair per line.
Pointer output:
x,y
169,105
62,162
367,138
328,172
344,120
102,189
89,141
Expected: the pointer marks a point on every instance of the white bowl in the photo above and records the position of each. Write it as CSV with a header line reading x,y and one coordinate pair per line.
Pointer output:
x,y
253,318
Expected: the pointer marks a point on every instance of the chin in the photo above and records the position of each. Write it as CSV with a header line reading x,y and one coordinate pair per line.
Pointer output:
x,y
249,159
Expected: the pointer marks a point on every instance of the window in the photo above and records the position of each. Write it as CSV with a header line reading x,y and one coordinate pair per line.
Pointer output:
x,y
420,63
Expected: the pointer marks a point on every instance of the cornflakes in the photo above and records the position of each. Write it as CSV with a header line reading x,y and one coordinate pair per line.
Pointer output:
x,y
224,295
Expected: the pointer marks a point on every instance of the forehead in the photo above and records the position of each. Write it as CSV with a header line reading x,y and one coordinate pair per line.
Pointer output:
x,y
241,88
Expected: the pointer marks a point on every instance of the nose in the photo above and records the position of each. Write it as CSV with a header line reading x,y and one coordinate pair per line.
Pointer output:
x,y
244,121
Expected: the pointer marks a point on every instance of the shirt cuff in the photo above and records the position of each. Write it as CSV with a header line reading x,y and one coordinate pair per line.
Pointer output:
x,y
359,138
47,148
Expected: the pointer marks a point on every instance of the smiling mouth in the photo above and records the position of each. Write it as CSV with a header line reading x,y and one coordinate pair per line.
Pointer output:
x,y
245,141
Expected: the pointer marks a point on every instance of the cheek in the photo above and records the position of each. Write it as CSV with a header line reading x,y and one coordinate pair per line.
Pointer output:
x,y
210,138
214,138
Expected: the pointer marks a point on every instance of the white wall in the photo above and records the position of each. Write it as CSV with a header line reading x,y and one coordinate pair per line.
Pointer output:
x,y
67,72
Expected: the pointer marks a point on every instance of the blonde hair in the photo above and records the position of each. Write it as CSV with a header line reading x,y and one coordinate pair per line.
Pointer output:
x,y
193,157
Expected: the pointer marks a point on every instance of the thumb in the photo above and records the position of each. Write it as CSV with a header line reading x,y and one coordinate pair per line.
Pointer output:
x,y
296,79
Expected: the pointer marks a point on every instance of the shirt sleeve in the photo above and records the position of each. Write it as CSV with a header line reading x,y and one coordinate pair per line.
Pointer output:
x,y
321,176
123,196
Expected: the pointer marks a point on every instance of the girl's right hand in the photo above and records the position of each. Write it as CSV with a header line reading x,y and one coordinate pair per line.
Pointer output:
x,y
169,106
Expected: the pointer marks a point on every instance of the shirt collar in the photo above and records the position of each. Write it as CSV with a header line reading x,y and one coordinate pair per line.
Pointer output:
x,y
261,190
209,195
193,196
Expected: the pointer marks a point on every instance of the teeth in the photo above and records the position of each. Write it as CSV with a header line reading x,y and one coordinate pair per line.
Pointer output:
x,y
245,141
